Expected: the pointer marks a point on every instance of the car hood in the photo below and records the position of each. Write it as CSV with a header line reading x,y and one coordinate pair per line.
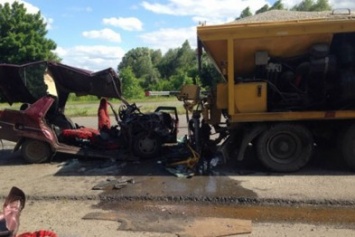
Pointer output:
x,y
12,87
17,82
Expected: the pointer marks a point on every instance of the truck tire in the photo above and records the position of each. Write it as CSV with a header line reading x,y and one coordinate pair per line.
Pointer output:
x,y
35,151
347,146
285,147
146,145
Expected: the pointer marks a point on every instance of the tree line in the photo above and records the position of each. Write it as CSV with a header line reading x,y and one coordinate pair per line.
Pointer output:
x,y
23,39
305,5
143,69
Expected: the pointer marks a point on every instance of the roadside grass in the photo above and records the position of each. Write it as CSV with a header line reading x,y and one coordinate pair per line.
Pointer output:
x,y
82,108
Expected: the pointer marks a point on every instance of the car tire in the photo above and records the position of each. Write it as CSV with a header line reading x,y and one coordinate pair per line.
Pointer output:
x,y
146,145
285,147
35,151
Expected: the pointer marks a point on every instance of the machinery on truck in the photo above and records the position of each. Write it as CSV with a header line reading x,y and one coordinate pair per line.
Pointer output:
x,y
289,87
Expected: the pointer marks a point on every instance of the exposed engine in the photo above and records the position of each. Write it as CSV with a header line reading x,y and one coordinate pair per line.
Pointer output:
x,y
141,133
134,122
324,78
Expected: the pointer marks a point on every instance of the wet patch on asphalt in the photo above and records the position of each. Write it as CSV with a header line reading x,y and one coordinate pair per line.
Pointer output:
x,y
258,213
150,180
173,217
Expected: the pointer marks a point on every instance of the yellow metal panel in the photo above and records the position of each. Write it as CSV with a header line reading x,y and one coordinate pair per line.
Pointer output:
x,y
222,96
292,116
250,97
230,70
284,39
217,51
275,29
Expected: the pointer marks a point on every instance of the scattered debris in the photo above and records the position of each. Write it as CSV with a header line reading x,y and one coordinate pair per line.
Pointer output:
x,y
181,171
92,167
184,161
114,184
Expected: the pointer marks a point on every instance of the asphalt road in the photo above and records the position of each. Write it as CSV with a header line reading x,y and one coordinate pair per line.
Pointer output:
x,y
323,181
316,201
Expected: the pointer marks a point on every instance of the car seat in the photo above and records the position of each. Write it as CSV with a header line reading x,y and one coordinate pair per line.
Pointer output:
x,y
104,123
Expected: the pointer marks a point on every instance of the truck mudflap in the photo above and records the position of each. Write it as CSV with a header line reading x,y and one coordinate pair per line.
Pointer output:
x,y
238,141
346,143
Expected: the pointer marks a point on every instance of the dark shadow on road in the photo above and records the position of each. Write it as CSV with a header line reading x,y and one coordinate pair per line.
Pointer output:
x,y
324,163
8,157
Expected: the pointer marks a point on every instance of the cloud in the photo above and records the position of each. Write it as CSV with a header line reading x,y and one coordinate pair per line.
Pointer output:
x,y
219,11
349,4
209,11
105,34
213,11
94,58
80,9
128,23
49,22
168,38
336,4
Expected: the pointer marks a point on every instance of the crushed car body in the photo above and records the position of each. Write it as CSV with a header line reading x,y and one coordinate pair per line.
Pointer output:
x,y
41,129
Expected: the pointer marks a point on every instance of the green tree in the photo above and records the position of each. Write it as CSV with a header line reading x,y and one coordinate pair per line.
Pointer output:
x,y
155,56
209,75
263,9
310,5
167,65
163,85
139,59
23,36
175,82
183,58
142,61
156,72
187,60
245,13
186,55
130,84
305,5
278,5
179,79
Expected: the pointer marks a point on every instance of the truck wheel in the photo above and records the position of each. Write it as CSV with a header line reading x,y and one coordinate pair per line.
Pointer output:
x,y
146,145
285,147
347,146
34,151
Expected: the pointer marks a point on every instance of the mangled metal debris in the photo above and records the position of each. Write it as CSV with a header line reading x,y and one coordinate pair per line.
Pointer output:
x,y
41,129
114,184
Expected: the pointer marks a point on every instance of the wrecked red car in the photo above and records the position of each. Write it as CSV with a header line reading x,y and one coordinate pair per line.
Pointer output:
x,y
41,129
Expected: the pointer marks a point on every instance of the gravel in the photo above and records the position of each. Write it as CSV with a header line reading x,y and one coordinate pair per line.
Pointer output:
x,y
284,15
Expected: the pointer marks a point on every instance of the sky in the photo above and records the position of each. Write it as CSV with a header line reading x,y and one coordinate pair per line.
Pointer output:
x,y
96,34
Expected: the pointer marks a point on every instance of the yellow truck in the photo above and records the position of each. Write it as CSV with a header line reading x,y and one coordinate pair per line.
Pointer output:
x,y
288,89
